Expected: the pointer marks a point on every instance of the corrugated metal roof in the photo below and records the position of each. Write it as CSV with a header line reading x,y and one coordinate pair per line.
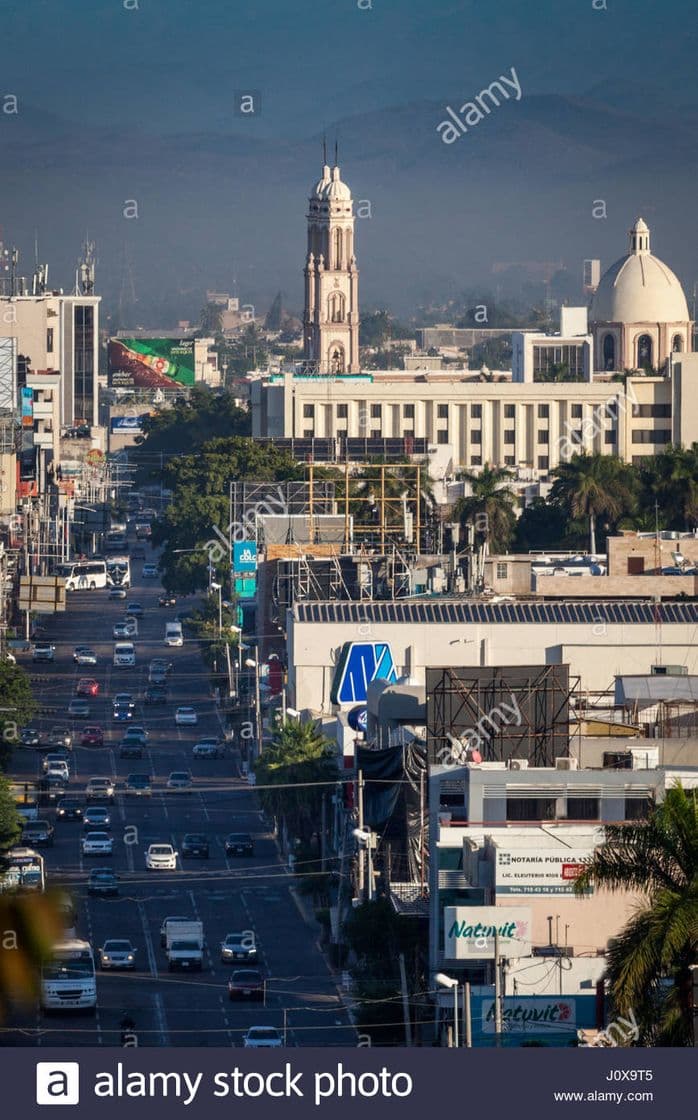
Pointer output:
x,y
464,613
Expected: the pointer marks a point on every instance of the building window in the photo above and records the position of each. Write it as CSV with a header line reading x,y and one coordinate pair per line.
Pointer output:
x,y
476,460
510,460
408,433
644,352
376,411
543,435
442,436
408,411
342,411
476,411
543,411
510,436
476,436
543,462
609,436
502,570
84,369
308,411
638,808
308,433
49,340
677,343
509,411
556,362
651,435
442,411
654,411
576,411
636,565
530,808
376,433
583,809
609,352
341,433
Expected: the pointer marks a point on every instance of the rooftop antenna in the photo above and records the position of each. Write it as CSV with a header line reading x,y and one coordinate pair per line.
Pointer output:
x,y
324,152
336,151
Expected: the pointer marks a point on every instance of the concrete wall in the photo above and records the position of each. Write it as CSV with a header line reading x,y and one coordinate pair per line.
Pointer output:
x,y
655,553
614,587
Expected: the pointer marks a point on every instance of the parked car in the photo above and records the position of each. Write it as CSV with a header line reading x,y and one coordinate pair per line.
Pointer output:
x,y
43,651
103,882
179,781
92,736
238,947
246,983
39,832
139,785
185,717
102,788
96,816
79,709
97,844
69,809
87,686
210,747
257,1038
195,844
239,844
161,857
116,953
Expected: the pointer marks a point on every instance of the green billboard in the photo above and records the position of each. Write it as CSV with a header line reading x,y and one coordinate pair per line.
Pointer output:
x,y
150,363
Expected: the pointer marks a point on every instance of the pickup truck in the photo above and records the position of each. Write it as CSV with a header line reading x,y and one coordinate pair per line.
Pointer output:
x,y
184,945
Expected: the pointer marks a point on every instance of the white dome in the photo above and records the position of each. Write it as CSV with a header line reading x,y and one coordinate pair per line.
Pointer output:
x,y
336,190
322,184
639,288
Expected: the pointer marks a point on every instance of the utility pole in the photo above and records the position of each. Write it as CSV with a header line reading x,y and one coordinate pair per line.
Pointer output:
x,y
360,806
467,1016
405,1002
497,994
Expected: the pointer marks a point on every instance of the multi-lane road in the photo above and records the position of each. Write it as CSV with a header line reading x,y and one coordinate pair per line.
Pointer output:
x,y
228,894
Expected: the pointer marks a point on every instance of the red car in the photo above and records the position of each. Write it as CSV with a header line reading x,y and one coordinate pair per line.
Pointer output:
x,y
87,687
92,737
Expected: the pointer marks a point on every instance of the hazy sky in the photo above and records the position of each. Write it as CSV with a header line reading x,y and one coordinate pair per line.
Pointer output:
x,y
174,65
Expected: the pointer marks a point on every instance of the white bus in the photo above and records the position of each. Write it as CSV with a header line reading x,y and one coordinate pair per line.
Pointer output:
x,y
25,871
68,978
84,575
119,571
26,795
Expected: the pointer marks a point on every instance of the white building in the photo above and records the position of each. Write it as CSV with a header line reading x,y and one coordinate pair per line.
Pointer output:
x,y
535,354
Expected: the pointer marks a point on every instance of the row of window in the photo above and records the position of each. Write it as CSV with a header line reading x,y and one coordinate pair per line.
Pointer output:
x,y
576,411
542,808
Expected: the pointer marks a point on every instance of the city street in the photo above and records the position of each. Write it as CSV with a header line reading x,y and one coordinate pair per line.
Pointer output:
x,y
228,894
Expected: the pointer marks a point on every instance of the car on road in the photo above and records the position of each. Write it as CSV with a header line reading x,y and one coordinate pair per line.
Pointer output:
x,y
161,857
117,593
79,709
54,758
167,600
131,748
96,816
137,731
157,677
43,651
103,883
87,686
123,630
29,737
59,769
139,785
116,953
150,571
258,1038
124,698
38,832
155,694
209,747
238,947
122,713
60,737
83,655
246,983
99,787
97,844
52,787
179,781
195,844
185,716
135,609
163,927
160,665
137,552
92,736
69,809
239,844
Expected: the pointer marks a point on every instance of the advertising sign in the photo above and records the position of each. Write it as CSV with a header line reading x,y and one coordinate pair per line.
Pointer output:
x,y
359,664
536,871
150,363
532,1014
469,931
245,588
244,556
27,399
125,424
358,718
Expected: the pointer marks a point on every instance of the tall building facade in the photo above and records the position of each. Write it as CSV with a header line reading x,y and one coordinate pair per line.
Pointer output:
x,y
331,316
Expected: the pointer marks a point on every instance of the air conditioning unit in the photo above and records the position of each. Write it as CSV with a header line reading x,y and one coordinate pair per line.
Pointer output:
x,y
566,764
518,764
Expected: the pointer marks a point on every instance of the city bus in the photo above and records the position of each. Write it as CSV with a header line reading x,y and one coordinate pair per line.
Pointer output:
x,y
84,575
119,571
68,978
25,871
26,795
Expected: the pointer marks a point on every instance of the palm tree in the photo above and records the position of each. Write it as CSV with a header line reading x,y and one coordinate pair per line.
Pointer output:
x,y
591,486
300,756
649,962
671,481
490,508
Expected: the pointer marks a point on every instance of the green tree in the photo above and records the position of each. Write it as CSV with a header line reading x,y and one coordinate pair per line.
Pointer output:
x,y
490,508
541,525
10,820
649,961
301,761
17,706
593,486
671,480
211,320
495,353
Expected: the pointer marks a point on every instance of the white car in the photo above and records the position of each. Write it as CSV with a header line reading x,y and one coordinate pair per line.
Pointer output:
x,y
102,788
209,747
117,593
59,770
179,781
117,954
257,1038
184,716
125,630
161,857
83,655
97,844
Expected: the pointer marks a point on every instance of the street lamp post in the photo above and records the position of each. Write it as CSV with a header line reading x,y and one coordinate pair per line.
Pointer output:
x,y
253,663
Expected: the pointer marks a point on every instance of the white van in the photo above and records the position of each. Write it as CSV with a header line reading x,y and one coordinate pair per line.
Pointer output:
x,y
124,654
173,634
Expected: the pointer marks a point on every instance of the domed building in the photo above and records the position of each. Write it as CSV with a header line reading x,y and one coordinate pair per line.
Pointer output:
x,y
638,314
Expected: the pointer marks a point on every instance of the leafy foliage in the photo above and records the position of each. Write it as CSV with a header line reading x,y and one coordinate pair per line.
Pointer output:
x,y
300,761
490,507
593,486
18,703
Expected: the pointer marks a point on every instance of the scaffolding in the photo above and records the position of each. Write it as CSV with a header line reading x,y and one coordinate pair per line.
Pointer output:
x,y
513,712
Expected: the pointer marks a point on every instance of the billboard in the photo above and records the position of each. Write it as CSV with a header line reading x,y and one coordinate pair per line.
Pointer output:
x,y
531,1014
536,871
244,556
469,931
125,424
150,363
8,374
359,664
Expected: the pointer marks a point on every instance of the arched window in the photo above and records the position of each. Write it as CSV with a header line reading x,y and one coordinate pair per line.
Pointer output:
x,y
609,352
644,352
336,358
348,248
337,248
335,307
677,343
